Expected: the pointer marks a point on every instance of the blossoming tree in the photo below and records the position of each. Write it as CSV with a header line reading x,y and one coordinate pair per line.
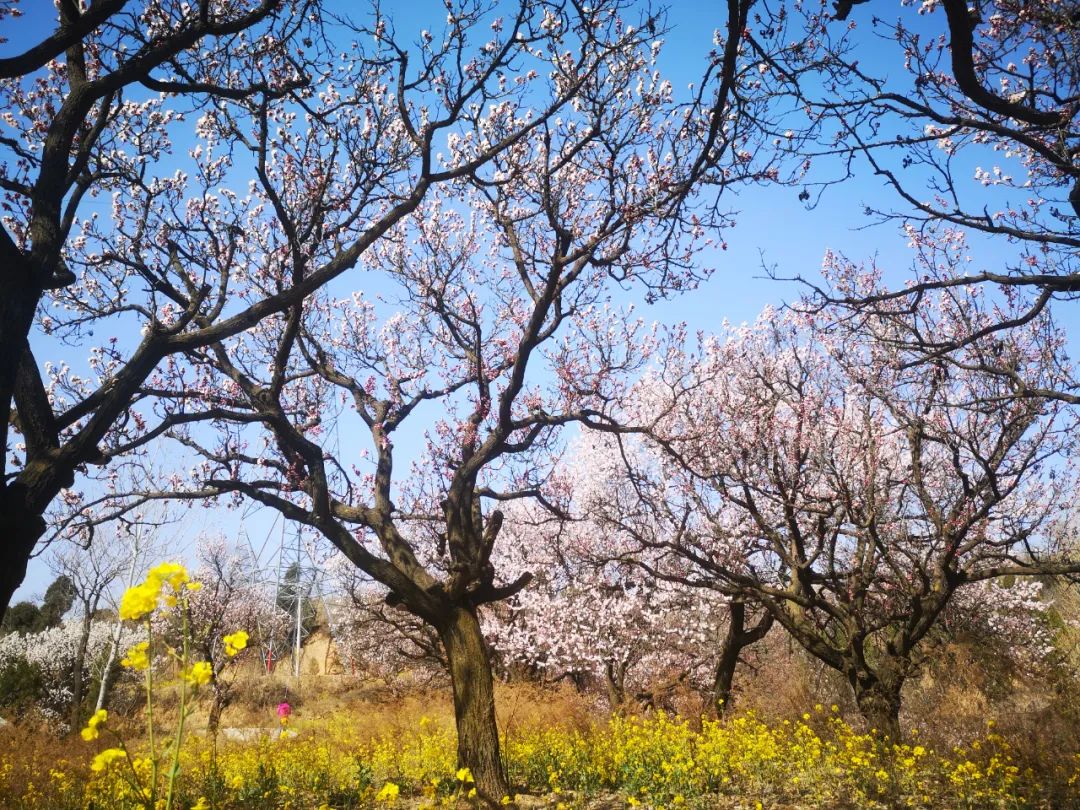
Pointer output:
x,y
491,326
92,109
852,495
252,153
599,608
968,114
224,615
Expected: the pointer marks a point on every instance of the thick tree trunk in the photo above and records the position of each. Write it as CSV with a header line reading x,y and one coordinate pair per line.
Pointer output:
x,y
724,676
879,704
19,533
737,639
474,703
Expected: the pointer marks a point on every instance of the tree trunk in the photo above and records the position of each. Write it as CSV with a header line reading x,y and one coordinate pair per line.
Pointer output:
x,y
879,704
474,703
107,672
77,669
737,639
615,681
217,706
20,532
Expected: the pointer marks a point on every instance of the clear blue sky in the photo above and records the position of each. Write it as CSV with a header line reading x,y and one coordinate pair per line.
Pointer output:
x,y
773,228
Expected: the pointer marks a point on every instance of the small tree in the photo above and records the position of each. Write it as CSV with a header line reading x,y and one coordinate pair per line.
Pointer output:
x,y
228,603
91,573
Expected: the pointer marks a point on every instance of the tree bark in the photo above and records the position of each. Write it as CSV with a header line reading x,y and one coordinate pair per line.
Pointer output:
x,y
879,703
20,532
217,706
77,668
615,681
737,639
106,682
474,703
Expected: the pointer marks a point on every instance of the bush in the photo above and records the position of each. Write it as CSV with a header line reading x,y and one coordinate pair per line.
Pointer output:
x,y
21,683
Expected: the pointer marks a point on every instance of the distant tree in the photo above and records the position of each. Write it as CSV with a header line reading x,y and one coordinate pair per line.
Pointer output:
x,y
596,611
854,496
22,617
90,574
59,599
227,603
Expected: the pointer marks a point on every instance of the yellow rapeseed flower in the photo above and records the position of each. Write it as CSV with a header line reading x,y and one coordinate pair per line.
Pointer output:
x,y
139,600
464,775
91,731
137,657
389,793
142,599
172,574
106,758
235,642
199,674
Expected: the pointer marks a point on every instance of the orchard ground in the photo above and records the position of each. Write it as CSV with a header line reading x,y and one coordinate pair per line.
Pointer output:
x,y
975,736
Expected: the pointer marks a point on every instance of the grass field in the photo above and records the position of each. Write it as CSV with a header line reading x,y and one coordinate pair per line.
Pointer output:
x,y
348,746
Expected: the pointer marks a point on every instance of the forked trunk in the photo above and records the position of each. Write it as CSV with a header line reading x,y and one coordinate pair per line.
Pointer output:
x,y
615,681
474,703
879,704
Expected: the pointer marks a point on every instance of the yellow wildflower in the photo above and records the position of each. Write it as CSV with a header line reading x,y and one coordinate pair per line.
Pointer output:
x,y
172,574
201,804
235,642
199,674
106,758
91,731
139,600
464,775
389,793
137,657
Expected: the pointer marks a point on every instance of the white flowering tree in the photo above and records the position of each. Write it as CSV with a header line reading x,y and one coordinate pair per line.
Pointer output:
x,y
52,656
853,495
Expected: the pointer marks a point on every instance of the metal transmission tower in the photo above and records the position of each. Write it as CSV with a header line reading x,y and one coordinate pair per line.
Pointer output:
x,y
290,567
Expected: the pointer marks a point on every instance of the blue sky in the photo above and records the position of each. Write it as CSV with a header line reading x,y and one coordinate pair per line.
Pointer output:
x,y
773,228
